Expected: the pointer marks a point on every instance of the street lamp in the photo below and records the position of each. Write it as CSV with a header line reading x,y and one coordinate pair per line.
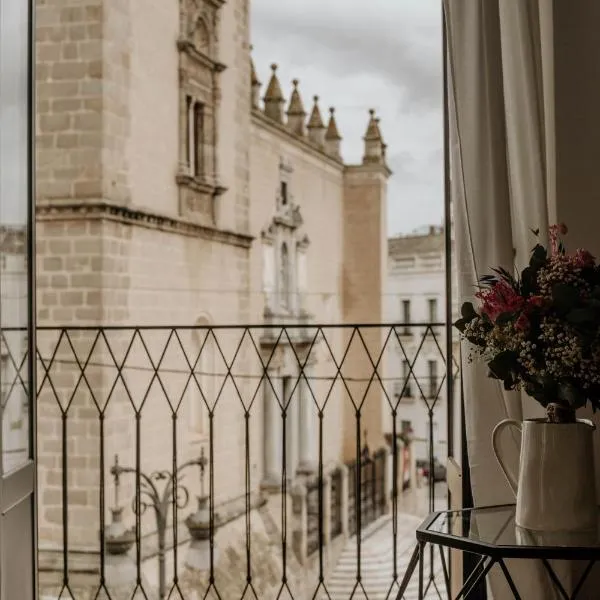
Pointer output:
x,y
120,540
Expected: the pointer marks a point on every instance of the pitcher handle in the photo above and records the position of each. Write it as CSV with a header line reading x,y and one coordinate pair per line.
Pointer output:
x,y
511,477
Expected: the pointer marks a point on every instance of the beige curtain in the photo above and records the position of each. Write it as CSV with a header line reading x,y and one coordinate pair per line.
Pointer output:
x,y
500,172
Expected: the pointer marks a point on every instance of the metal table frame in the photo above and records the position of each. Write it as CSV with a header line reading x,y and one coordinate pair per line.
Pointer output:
x,y
491,554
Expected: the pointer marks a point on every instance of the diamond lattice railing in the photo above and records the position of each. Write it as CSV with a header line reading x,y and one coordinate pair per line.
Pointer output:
x,y
290,437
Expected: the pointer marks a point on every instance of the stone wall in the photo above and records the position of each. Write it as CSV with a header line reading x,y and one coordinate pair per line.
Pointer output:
x,y
364,276
113,250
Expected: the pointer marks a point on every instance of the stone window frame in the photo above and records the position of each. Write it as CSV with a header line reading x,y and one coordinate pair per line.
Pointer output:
x,y
195,144
285,282
286,171
199,86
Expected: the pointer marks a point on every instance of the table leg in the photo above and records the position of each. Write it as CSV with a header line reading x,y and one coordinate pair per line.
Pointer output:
x,y
477,575
555,580
509,580
410,569
421,561
584,576
445,569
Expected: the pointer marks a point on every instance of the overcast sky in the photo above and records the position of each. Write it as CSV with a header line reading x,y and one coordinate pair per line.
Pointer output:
x,y
356,55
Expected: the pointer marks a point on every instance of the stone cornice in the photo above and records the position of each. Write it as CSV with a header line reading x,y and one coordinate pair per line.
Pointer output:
x,y
200,185
138,216
369,168
260,119
187,47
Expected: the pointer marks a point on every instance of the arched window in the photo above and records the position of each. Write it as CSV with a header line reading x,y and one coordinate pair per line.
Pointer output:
x,y
284,276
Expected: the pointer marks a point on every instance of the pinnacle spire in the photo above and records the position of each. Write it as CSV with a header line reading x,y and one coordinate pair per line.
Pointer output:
x,y
296,113
373,131
255,85
315,121
332,128
253,69
274,99
332,136
316,127
374,145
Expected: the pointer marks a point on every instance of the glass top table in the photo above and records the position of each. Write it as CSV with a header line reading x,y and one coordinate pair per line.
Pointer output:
x,y
492,531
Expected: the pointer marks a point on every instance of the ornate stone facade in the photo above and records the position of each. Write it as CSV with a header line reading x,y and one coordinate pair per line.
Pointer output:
x,y
168,194
199,100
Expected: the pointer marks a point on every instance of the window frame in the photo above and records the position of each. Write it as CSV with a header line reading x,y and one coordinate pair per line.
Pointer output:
x,y
433,378
406,316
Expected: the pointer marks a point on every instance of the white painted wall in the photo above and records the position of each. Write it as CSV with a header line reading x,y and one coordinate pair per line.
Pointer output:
x,y
418,276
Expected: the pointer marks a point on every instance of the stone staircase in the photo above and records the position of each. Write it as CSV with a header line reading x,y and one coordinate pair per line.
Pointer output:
x,y
377,565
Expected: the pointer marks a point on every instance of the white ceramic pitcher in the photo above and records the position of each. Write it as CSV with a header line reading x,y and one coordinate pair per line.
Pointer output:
x,y
555,486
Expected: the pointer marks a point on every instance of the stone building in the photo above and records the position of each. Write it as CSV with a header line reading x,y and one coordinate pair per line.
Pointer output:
x,y
416,371
170,193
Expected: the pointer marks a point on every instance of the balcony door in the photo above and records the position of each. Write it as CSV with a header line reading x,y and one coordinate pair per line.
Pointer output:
x,y
17,332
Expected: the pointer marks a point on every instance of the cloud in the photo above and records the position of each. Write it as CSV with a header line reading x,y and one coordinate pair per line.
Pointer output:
x,y
388,57
345,42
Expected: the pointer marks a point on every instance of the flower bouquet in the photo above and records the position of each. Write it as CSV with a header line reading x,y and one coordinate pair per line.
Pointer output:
x,y
540,331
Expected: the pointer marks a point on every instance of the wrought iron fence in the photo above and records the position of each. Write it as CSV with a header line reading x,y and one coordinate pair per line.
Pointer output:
x,y
314,520
137,421
337,498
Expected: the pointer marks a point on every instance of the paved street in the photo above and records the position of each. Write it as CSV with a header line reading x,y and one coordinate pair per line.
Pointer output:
x,y
377,565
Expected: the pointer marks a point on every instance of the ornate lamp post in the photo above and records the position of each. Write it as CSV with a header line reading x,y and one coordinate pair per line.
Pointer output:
x,y
119,540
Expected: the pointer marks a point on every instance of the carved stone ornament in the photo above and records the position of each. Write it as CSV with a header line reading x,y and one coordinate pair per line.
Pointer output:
x,y
303,243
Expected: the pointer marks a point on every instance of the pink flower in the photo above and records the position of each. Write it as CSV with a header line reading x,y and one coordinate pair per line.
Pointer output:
x,y
582,258
499,299
535,301
522,323
555,232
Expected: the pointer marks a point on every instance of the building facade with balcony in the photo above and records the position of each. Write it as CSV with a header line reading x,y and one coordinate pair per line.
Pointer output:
x,y
416,301
170,194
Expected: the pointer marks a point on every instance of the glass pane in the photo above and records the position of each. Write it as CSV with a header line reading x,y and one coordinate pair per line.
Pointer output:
x,y
496,526
14,195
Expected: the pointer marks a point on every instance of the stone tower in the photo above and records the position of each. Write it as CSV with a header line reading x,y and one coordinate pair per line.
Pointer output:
x,y
143,131
365,272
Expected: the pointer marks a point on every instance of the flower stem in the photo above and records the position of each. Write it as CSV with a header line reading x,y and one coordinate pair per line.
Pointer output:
x,y
559,413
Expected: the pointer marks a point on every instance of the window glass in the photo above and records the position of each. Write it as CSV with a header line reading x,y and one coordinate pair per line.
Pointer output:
x,y
14,198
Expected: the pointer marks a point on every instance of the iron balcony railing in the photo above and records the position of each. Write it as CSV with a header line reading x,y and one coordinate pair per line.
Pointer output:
x,y
288,436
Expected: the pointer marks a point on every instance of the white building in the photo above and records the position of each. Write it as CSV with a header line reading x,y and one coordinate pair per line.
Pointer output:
x,y
416,363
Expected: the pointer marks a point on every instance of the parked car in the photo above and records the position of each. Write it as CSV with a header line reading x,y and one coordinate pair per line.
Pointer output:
x,y
439,470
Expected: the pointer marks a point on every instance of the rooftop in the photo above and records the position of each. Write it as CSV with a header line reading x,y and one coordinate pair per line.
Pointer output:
x,y
417,243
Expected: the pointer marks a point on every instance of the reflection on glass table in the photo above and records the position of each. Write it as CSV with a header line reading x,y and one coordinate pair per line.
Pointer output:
x,y
491,533
494,530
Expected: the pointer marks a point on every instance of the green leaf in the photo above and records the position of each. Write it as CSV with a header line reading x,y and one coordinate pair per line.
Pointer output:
x,y
528,281
468,312
505,317
503,364
565,297
460,325
539,255
510,382
572,395
579,316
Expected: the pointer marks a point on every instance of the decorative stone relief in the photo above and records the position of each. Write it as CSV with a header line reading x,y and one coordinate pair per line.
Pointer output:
x,y
199,76
285,262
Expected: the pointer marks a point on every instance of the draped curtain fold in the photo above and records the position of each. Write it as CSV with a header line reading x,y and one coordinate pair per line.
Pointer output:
x,y
500,162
